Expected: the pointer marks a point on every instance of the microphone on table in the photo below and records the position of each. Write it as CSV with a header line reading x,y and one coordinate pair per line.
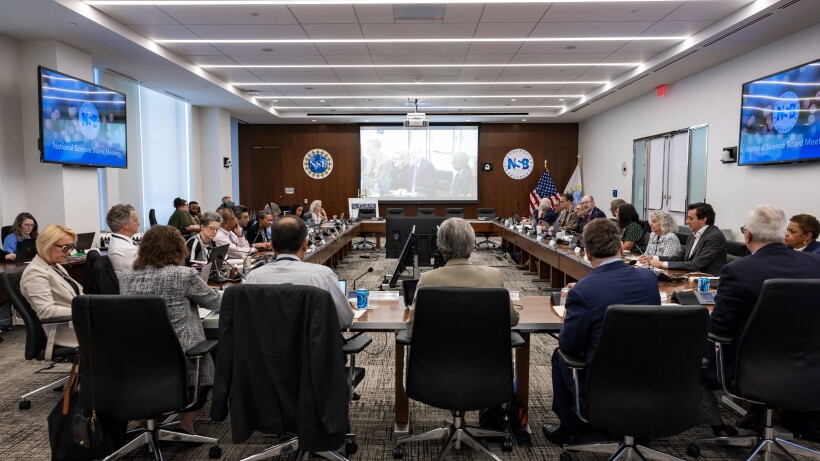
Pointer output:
x,y
225,261
369,270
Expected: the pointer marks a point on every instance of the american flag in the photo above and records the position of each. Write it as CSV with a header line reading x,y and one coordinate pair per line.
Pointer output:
x,y
544,189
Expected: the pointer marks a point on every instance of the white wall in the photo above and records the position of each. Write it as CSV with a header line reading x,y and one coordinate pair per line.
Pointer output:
x,y
214,143
711,97
12,170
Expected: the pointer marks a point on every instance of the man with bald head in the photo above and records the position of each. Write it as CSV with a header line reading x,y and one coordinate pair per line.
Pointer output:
x,y
590,212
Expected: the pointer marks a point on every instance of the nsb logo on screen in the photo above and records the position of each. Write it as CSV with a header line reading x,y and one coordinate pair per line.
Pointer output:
x,y
518,164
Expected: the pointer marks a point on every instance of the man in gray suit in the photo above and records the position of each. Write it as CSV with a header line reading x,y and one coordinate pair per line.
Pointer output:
x,y
455,241
705,249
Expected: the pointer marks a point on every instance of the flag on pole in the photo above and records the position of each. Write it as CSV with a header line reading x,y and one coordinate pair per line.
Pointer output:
x,y
545,189
574,185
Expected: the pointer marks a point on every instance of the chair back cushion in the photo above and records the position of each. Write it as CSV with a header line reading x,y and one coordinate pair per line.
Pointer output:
x,y
455,212
152,217
778,353
395,212
644,380
426,211
131,357
35,335
460,352
487,213
366,213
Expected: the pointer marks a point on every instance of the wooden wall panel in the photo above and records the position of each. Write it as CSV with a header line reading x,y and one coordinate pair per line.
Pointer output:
x,y
270,159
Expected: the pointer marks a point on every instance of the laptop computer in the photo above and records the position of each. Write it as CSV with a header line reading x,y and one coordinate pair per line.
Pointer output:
x,y
84,241
26,250
343,286
206,272
217,256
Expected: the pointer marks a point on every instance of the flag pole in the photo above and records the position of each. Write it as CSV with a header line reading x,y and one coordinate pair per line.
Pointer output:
x,y
581,172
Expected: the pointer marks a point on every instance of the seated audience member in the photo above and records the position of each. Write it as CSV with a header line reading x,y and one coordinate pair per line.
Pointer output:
x,y
195,210
455,240
23,228
613,207
124,223
662,239
230,234
316,212
631,228
544,215
567,218
297,210
590,212
200,245
158,271
181,217
738,292
258,232
705,249
47,286
227,202
243,219
273,209
801,233
611,281
290,244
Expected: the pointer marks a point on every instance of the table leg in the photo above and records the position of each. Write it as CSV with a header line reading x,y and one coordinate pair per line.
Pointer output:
x,y
402,403
522,374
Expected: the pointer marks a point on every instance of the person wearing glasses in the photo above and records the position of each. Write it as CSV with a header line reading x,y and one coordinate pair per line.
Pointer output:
x,y
590,212
200,245
47,286
567,218
238,246
181,217
23,228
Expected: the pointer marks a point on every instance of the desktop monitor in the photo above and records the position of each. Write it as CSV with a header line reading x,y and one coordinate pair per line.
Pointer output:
x,y
405,258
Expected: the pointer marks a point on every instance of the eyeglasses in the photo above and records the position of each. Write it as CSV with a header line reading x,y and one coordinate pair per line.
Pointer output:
x,y
212,229
27,225
742,229
67,249
584,203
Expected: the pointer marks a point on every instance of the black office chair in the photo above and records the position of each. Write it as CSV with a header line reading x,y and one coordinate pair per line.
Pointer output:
x,y
365,214
133,363
644,380
39,341
426,212
393,212
152,217
460,360
99,277
6,230
486,214
298,373
736,250
776,363
455,213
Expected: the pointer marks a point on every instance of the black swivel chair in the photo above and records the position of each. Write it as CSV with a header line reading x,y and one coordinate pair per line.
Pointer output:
x,y
426,212
644,380
6,230
486,214
298,375
460,360
365,214
777,361
736,250
394,212
152,217
133,364
39,342
455,213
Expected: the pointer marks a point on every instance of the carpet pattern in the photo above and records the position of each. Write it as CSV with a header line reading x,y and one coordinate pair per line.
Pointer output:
x,y
24,435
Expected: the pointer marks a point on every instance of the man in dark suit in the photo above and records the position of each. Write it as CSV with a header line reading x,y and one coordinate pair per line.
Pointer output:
x,y
421,175
705,249
610,282
463,184
591,212
739,290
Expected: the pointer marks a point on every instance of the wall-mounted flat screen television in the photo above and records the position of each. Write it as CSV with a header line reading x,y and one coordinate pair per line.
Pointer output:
x,y
779,117
81,123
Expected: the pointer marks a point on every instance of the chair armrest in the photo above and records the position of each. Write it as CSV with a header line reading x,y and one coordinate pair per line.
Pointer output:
x,y
54,320
203,348
722,339
516,340
572,360
357,344
402,338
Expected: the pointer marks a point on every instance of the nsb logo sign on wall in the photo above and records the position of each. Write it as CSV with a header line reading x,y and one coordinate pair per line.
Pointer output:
x,y
318,163
518,164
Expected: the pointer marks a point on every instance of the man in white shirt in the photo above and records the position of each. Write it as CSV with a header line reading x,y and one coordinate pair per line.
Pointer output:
x,y
289,239
122,250
230,234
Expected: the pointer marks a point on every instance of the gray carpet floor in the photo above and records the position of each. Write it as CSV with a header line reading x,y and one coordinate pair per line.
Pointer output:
x,y
24,436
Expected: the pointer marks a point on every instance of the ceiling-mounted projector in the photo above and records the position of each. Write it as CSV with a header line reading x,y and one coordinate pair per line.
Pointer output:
x,y
416,120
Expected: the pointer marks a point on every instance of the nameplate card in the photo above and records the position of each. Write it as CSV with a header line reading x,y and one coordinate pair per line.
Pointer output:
x,y
384,295
553,242
560,311
577,250
515,295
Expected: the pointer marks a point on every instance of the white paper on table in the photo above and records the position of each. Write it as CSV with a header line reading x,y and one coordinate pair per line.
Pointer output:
x,y
559,310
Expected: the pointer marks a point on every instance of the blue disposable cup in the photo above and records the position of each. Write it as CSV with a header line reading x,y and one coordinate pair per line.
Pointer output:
x,y
361,298
703,284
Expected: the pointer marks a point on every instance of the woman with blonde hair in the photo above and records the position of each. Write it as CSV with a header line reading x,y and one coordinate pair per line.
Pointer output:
x,y
47,286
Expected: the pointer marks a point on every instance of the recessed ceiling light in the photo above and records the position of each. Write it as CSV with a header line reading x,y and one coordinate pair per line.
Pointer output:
x,y
513,100
275,100
561,99
367,121
400,66
431,40
523,120
526,84
313,120
371,98
467,120
327,2
321,100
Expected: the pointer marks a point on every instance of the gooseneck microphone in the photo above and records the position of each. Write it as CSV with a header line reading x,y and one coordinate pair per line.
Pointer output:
x,y
369,270
225,262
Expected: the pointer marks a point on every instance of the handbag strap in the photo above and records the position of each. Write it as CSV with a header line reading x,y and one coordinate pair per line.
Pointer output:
x,y
72,382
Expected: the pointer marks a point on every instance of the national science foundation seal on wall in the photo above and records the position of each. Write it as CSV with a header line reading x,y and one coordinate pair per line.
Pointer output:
x,y
518,164
318,163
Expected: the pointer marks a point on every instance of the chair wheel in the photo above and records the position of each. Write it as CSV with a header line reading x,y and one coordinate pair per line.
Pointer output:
x,y
693,450
215,452
506,445
24,404
565,456
398,452
351,448
356,396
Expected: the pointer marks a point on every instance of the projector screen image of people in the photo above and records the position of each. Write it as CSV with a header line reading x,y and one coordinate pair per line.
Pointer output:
x,y
779,118
81,123
434,164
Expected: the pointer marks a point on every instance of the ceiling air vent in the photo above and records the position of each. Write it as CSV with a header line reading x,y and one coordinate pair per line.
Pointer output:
x,y
125,76
174,95
630,82
667,64
733,31
783,7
